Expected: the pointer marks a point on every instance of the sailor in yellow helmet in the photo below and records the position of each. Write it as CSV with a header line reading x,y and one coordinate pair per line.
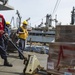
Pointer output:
x,y
8,30
8,33
7,23
22,34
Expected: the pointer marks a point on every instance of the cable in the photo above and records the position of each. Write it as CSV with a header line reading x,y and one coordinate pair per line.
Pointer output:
x,y
56,6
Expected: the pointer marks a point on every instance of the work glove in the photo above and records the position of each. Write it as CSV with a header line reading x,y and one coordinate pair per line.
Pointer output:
x,y
1,32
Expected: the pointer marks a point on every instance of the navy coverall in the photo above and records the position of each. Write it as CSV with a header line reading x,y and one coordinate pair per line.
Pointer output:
x,y
2,44
2,49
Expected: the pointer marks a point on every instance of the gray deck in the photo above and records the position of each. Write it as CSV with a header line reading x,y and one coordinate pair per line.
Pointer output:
x,y
18,65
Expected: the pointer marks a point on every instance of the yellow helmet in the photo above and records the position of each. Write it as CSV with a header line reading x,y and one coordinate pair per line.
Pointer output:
x,y
7,23
25,22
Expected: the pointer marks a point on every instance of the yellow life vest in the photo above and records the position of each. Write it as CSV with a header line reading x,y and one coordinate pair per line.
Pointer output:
x,y
23,35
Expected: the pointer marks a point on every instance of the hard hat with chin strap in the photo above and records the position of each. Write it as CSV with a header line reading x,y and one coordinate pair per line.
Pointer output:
x,y
7,23
25,22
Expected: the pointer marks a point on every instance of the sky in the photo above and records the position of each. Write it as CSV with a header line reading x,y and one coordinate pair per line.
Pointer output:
x,y
38,9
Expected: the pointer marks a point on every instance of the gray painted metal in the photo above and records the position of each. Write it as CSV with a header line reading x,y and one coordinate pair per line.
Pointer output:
x,y
43,37
6,7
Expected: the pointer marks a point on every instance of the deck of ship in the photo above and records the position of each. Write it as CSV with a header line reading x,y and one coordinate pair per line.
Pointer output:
x,y
18,65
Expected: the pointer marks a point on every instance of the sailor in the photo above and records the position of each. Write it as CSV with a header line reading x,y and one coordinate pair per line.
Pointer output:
x,y
2,44
8,31
22,34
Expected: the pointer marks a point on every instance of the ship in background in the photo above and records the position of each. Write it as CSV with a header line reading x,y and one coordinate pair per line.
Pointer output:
x,y
43,33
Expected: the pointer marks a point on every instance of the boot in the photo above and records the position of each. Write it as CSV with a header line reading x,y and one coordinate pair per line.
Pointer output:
x,y
21,57
6,63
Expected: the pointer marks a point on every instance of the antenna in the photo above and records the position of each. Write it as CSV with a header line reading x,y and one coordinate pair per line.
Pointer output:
x,y
19,17
73,16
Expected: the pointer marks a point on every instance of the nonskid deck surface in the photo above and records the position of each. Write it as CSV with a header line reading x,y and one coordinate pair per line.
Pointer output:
x,y
18,65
